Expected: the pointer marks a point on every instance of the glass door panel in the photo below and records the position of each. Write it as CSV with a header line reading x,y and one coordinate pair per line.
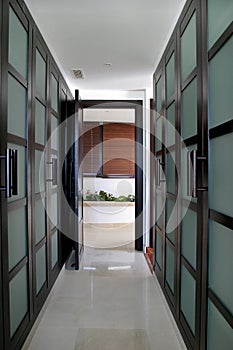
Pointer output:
x,y
40,268
40,75
54,240
170,77
189,48
189,111
189,236
188,297
170,262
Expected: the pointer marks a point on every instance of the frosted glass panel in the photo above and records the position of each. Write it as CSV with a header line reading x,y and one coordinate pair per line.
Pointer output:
x,y
55,136
171,173
183,177
221,263
159,96
189,111
189,236
22,175
40,75
220,14
188,48
170,128
18,299
188,291
221,189
170,267
40,122
38,187
17,108
170,77
17,236
18,44
54,93
54,249
40,268
219,332
159,252
171,217
40,229
54,206
158,134
221,85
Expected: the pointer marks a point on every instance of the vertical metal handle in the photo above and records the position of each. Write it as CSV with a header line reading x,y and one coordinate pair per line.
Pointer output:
x,y
192,174
54,171
14,157
11,172
157,173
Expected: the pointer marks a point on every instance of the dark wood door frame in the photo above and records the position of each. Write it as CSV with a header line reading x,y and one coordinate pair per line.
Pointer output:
x,y
137,105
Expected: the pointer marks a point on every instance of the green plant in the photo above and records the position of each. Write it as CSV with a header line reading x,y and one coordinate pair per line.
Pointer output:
x,y
107,197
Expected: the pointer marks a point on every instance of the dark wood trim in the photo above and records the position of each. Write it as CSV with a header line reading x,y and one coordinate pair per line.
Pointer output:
x,y
221,41
17,140
227,315
189,337
222,219
189,267
16,75
17,268
220,130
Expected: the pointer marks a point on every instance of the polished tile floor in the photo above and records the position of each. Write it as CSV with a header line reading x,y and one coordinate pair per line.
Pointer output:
x,y
112,303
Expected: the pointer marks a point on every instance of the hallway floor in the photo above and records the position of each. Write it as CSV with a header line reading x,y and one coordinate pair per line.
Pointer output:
x,y
112,303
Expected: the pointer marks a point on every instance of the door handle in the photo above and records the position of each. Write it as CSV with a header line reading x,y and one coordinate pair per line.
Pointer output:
x,y
54,172
11,172
158,165
192,187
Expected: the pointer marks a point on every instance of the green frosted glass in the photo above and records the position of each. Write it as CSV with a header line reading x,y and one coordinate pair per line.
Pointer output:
x,y
182,179
170,261
40,123
189,111
221,85
188,297
17,108
17,236
170,127
158,134
40,75
40,268
221,174
39,185
188,48
189,236
221,263
159,250
219,332
171,218
18,299
54,209
220,15
54,133
18,44
54,240
170,77
159,96
22,174
54,93
171,173
40,229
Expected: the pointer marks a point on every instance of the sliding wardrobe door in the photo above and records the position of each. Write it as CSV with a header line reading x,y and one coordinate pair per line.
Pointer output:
x,y
16,208
193,160
39,195
159,260
220,240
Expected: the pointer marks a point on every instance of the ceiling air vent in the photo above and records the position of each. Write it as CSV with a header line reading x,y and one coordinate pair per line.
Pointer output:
x,y
78,73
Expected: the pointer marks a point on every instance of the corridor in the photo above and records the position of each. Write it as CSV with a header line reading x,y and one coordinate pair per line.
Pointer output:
x,y
112,303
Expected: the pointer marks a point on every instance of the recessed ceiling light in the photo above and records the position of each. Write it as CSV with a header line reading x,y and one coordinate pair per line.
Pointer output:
x,y
108,64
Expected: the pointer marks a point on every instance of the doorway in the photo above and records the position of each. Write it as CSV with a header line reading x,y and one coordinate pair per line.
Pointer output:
x,y
113,177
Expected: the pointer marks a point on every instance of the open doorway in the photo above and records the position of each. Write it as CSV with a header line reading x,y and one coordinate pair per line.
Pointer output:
x,y
112,168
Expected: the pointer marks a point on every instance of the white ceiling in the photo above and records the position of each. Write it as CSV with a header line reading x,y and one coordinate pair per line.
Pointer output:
x,y
131,34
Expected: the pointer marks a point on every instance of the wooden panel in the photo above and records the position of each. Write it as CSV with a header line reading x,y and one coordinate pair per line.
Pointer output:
x,y
92,148
118,149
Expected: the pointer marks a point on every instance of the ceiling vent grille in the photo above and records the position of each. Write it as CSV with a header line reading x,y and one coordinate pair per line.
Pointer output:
x,y
78,73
